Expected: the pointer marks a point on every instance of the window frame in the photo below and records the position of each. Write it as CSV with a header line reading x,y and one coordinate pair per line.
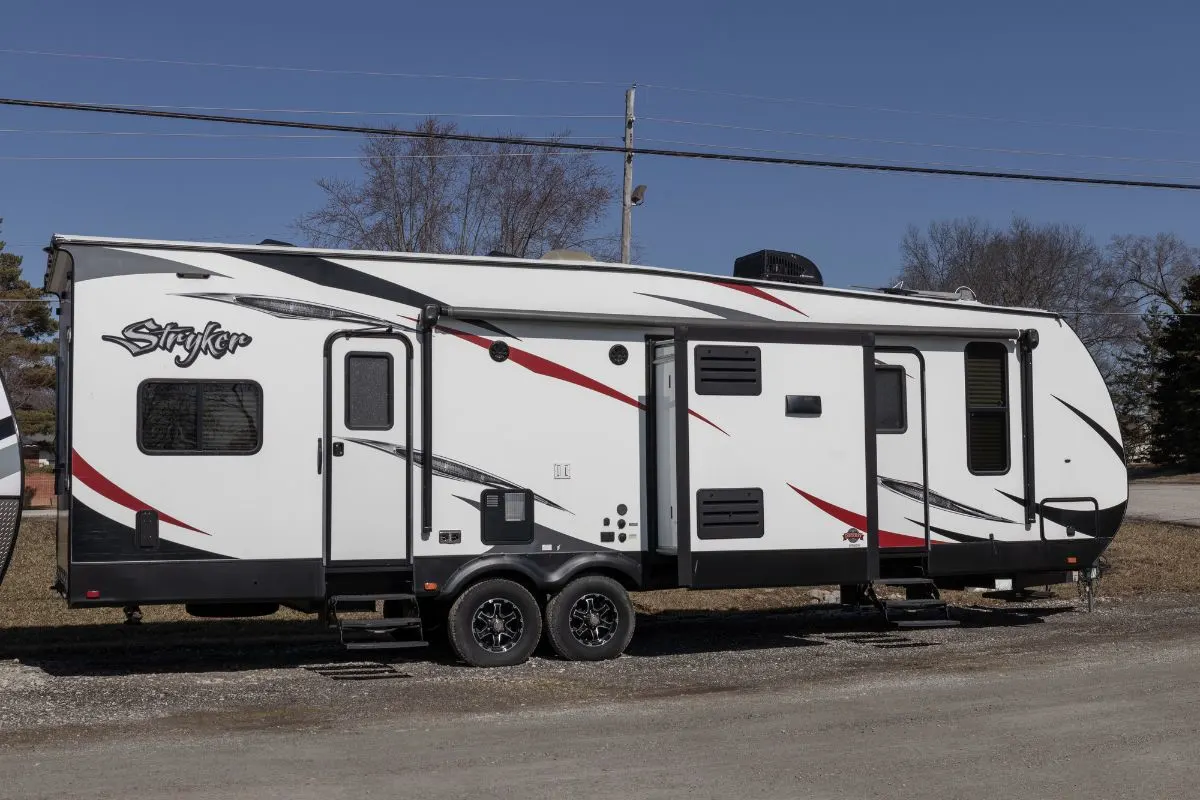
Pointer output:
x,y
1003,410
391,396
198,382
903,398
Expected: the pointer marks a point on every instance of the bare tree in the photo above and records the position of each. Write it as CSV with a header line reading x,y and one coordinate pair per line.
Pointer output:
x,y
1151,270
1047,266
435,195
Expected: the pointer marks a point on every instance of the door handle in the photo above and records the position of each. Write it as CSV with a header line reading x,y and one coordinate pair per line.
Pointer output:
x,y
339,448
319,440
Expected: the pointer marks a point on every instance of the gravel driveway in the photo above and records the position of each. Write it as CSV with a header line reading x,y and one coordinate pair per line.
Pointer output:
x,y
1165,502
807,703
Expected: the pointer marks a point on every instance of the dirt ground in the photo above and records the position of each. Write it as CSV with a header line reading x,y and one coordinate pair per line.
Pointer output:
x,y
1146,558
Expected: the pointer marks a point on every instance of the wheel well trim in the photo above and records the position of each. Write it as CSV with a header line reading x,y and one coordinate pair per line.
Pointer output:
x,y
541,577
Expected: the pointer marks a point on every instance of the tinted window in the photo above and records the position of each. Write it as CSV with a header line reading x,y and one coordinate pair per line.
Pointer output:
x,y
889,400
200,417
987,407
369,401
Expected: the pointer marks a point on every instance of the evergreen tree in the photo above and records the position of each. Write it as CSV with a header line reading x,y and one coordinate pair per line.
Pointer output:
x,y
1175,398
1132,385
27,347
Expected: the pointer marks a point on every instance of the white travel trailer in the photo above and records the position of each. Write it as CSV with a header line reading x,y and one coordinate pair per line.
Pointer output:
x,y
505,446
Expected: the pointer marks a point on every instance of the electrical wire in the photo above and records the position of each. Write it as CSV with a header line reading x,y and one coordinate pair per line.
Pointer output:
x,y
263,157
600,148
193,135
918,112
868,140
904,160
576,82
313,111
311,70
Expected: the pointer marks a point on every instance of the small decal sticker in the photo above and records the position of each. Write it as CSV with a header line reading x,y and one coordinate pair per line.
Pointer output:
x,y
146,336
854,536
562,472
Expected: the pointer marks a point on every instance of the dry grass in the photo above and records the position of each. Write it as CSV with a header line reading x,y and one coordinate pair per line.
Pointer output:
x,y
35,616
1146,558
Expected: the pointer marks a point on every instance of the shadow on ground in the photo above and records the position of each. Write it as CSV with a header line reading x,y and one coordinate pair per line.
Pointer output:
x,y
237,645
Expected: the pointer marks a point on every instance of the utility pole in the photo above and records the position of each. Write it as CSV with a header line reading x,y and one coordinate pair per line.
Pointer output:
x,y
627,191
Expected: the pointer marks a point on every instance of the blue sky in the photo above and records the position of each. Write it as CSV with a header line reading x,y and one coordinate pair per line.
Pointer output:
x,y
1098,79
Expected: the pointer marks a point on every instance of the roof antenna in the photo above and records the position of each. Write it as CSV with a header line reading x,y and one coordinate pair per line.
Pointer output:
x,y
276,242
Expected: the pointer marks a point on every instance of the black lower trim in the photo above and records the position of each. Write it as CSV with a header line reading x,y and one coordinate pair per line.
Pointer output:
x,y
733,569
228,581
1006,558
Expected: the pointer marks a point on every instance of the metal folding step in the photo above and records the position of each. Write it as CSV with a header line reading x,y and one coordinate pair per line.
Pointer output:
x,y
375,633
379,624
914,612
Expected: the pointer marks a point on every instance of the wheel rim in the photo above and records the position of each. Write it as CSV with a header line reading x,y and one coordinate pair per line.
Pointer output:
x,y
497,625
594,620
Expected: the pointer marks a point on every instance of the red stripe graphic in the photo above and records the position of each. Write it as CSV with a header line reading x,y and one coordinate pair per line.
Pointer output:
x,y
886,538
757,292
102,486
548,368
551,369
703,418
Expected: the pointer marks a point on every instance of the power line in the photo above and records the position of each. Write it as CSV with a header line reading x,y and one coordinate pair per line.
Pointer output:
x,y
868,140
598,148
918,112
265,157
901,160
315,111
195,135
575,82
311,70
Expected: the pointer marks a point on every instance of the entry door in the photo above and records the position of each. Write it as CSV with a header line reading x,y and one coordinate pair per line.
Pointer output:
x,y
900,448
369,475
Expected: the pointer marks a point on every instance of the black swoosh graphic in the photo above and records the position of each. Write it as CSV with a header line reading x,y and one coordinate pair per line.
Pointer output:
x,y
559,541
286,308
455,470
915,491
1104,522
1108,438
326,273
957,537
709,308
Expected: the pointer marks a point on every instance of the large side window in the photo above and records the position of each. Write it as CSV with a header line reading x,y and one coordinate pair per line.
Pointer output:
x,y
890,414
987,408
199,417
369,391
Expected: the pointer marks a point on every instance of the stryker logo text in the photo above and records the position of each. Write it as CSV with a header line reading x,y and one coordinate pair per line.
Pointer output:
x,y
147,336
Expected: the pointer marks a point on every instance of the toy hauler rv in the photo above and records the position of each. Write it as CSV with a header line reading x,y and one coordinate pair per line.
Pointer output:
x,y
506,446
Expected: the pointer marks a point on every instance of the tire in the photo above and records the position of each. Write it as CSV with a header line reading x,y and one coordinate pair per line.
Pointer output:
x,y
495,623
579,638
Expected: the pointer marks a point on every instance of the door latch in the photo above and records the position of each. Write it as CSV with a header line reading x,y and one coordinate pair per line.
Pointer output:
x,y
339,448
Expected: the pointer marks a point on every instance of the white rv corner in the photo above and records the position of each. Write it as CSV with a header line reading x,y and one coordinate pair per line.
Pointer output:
x,y
12,480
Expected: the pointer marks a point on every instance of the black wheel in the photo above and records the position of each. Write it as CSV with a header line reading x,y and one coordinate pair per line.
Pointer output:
x,y
495,623
591,619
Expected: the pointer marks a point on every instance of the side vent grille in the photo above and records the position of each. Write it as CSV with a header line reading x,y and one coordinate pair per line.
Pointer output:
x,y
725,369
729,514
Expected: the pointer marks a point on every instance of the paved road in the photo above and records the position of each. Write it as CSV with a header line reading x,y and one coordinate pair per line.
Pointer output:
x,y
1165,502
1090,706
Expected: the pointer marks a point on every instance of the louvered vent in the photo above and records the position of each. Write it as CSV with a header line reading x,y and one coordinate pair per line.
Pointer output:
x,y
987,407
725,369
729,513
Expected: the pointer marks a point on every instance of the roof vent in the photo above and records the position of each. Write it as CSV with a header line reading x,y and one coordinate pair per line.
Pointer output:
x,y
776,265
567,255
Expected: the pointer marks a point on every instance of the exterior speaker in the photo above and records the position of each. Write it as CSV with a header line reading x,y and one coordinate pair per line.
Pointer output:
x,y
775,265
